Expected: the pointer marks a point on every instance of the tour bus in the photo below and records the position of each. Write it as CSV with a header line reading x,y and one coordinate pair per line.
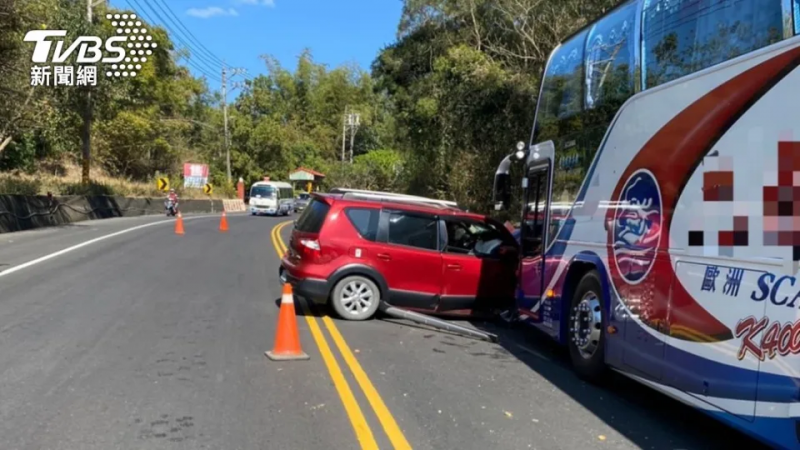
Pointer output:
x,y
271,197
672,127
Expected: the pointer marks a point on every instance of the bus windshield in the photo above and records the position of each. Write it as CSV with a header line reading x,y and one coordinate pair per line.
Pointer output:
x,y
263,191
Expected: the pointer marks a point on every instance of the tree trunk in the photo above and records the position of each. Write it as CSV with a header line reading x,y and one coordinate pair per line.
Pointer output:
x,y
5,143
7,139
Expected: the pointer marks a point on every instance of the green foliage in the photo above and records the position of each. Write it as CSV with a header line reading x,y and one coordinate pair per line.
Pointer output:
x,y
463,79
441,107
380,170
141,125
288,120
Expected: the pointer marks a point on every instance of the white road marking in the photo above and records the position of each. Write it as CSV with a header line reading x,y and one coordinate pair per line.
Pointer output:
x,y
25,265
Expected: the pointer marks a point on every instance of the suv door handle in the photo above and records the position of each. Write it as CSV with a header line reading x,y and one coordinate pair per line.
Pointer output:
x,y
454,266
384,256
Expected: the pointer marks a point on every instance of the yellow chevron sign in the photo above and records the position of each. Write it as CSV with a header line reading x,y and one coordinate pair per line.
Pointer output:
x,y
162,184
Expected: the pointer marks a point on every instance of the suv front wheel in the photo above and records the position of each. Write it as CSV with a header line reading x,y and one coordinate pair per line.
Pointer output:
x,y
355,298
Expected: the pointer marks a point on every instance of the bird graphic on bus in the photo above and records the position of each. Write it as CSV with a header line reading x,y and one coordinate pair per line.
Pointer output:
x,y
637,227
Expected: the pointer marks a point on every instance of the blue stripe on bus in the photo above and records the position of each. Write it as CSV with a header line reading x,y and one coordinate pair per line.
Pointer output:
x,y
777,432
688,372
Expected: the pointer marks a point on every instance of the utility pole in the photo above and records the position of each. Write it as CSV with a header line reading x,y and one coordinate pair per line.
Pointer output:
x,y
344,131
354,122
86,129
225,123
226,139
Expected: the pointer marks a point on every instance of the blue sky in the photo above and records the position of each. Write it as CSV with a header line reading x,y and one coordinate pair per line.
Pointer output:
x,y
238,31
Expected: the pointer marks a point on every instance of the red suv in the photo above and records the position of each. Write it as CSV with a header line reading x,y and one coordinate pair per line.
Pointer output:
x,y
355,251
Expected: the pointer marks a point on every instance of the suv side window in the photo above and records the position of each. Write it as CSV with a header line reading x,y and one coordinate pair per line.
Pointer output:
x,y
365,221
413,230
469,237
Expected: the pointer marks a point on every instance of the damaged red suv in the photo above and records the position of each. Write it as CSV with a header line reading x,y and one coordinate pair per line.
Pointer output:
x,y
357,249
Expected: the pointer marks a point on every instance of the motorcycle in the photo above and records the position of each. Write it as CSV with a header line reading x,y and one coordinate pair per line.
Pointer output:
x,y
171,207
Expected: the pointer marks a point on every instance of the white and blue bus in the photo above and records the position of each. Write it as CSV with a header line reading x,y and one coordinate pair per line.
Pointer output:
x,y
271,197
672,128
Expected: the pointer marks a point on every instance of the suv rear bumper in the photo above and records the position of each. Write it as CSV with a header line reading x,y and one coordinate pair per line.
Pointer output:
x,y
309,288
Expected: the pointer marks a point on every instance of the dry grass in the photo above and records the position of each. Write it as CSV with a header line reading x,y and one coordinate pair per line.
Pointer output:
x,y
65,179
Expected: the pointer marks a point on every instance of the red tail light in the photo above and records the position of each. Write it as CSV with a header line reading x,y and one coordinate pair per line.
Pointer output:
x,y
310,248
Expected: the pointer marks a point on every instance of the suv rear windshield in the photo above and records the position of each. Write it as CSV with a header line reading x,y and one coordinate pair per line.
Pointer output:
x,y
313,217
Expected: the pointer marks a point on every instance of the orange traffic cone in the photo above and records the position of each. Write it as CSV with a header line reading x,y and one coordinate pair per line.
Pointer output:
x,y
287,338
179,225
223,223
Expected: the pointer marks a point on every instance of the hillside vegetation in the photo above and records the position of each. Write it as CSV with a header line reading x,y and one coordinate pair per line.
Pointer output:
x,y
439,108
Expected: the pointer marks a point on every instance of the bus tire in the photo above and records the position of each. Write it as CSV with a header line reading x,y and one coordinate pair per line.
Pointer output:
x,y
586,324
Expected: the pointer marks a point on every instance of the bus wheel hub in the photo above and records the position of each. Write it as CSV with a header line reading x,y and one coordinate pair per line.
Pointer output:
x,y
586,324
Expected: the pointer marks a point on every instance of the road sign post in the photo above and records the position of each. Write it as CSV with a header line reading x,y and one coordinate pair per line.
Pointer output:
x,y
208,189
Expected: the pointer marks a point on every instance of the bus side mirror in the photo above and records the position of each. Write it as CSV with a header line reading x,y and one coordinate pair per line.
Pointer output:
x,y
502,194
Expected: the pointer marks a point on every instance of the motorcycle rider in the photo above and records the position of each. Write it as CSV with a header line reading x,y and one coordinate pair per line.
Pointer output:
x,y
172,198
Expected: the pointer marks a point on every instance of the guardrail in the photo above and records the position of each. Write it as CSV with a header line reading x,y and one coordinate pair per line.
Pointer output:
x,y
20,212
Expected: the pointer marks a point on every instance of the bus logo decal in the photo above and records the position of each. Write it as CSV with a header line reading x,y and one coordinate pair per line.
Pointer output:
x,y
637,226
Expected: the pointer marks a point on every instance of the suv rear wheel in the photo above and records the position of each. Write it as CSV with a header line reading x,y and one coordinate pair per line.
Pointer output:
x,y
355,298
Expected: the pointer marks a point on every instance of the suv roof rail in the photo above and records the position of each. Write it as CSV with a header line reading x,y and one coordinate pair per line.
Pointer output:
x,y
392,196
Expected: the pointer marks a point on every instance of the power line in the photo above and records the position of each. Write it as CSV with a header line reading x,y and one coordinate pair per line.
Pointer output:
x,y
209,62
206,72
191,35
213,67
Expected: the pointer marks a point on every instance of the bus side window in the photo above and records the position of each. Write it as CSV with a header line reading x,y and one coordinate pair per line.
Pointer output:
x,y
560,118
610,62
685,36
610,75
796,8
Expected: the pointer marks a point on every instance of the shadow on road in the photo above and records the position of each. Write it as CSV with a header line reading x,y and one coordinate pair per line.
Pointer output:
x,y
645,417
672,425
312,310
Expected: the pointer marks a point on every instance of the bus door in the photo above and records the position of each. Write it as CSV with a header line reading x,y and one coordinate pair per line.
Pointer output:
x,y
533,240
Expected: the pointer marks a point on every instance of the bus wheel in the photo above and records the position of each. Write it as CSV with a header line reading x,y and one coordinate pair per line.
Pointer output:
x,y
587,322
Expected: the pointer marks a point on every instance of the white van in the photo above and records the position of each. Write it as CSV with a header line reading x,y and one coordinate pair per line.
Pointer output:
x,y
271,197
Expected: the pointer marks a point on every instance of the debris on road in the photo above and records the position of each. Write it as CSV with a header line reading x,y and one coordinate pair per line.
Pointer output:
x,y
437,323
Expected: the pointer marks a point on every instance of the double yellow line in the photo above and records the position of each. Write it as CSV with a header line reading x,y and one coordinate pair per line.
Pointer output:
x,y
357,419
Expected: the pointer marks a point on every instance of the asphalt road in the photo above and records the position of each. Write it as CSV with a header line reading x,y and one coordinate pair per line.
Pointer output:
x,y
148,340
